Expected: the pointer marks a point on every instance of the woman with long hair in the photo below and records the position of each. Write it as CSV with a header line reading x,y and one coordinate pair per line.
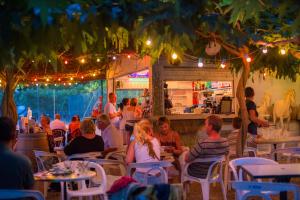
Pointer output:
x,y
144,147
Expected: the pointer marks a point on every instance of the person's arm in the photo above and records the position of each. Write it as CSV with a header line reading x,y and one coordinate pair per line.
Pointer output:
x,y
71,147
193,153
130,153
178,149
253,118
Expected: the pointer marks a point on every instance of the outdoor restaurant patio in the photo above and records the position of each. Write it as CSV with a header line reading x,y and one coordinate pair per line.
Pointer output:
x,y
165,99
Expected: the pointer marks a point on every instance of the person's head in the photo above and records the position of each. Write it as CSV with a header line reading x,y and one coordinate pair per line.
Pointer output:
x,y
249,92
133,102
78,117
74,119
112,98
87,127
7,131
213,124
45,121
125,102
57,116
143,130
236,123
103,122
163,125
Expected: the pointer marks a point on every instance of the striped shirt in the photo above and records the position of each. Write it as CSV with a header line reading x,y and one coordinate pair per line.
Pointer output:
x,y
207,148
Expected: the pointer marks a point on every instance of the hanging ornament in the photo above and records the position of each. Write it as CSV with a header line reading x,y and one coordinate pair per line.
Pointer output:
x,y
212,48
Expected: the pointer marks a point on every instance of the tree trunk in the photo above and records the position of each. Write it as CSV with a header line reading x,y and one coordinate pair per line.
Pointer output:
x,y
240,95
8,106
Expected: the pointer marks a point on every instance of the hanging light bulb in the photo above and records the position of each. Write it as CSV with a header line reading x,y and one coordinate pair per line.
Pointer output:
x,y
55,84
114,58
282,51
64,83
248,59
70,83
66,62
34,80
82,60
46,84
94,74
81,77
71,78
37,84
32,61
200,62
148,42
49,61
47,79
128,56
265,50
59,79
174,56
98,60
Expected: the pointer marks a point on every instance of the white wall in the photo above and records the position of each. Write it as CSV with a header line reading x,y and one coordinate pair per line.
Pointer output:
x,y
276,87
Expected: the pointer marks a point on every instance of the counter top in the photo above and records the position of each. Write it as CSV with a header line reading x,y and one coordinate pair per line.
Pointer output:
x,y
198,116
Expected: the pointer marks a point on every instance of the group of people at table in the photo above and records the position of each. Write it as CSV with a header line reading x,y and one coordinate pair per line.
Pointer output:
x,y
144,144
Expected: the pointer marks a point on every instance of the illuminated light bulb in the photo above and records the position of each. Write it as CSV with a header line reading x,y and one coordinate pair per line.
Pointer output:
x,y
55,84
81,77
32,61
248,59
71,78
222,65
64,83
82,60
37,84
282,51
129,56
66,62
0,81
114,57
174,56
59,79
47,79
94,74
70,83
200,62
265,50
148,42
46,84
35,79
98,60
265,74
49,61
76,83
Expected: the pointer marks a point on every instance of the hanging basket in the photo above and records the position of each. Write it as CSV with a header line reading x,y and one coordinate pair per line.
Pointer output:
x,y
212,48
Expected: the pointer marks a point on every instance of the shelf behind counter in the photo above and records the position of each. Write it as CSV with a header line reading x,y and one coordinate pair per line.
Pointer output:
x,y
185,116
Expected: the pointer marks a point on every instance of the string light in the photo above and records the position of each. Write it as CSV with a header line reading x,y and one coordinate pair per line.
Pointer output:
x,y
37,84
70,83
128,56
66,62
282,51
265,50
148,42
59,79
94,74
47,79
114,57
82,60
98,60
81,77
223,65
248,59
32,61
46,84
200,62
35,80
174,56
55,84
71,78
0,81
49,61
64,83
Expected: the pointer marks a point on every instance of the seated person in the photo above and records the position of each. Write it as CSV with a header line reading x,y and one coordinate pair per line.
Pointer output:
x,y
168,138
213,146
74,126
57,123
15,169
111,135
144,147
87,142
233,136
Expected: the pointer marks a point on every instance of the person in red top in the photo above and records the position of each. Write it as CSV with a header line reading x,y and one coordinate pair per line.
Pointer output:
x,y
74,128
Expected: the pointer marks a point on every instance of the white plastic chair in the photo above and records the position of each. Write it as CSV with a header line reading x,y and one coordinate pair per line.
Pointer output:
x,y
292,152
260,189
84,189
150,167
40,159
211,176
16,194
235,166
58,143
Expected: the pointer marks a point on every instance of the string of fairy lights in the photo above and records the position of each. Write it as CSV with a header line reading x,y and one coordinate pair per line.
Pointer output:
x,y
71,79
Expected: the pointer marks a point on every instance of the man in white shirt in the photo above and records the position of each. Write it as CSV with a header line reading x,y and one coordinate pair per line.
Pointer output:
x,y
57,123
110,110
111,135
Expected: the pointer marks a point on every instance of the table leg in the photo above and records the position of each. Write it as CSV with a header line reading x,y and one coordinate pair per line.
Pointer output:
x,y
63,186
283,195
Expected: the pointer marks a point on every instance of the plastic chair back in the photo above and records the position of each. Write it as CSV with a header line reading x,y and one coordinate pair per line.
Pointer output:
x,y
236,163
292,151
261,189
85,156
40,159
16,194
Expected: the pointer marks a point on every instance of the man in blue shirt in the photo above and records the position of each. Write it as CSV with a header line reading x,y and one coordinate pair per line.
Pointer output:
x,y
15,170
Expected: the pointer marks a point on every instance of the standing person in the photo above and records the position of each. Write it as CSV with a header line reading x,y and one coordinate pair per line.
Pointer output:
x,y
131,114
123,105
15,170
110,110
57,123
213,146
87,142
252,112
144,147
111,136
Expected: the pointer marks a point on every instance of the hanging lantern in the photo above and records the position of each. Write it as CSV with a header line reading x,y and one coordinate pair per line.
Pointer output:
x,y
212,48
